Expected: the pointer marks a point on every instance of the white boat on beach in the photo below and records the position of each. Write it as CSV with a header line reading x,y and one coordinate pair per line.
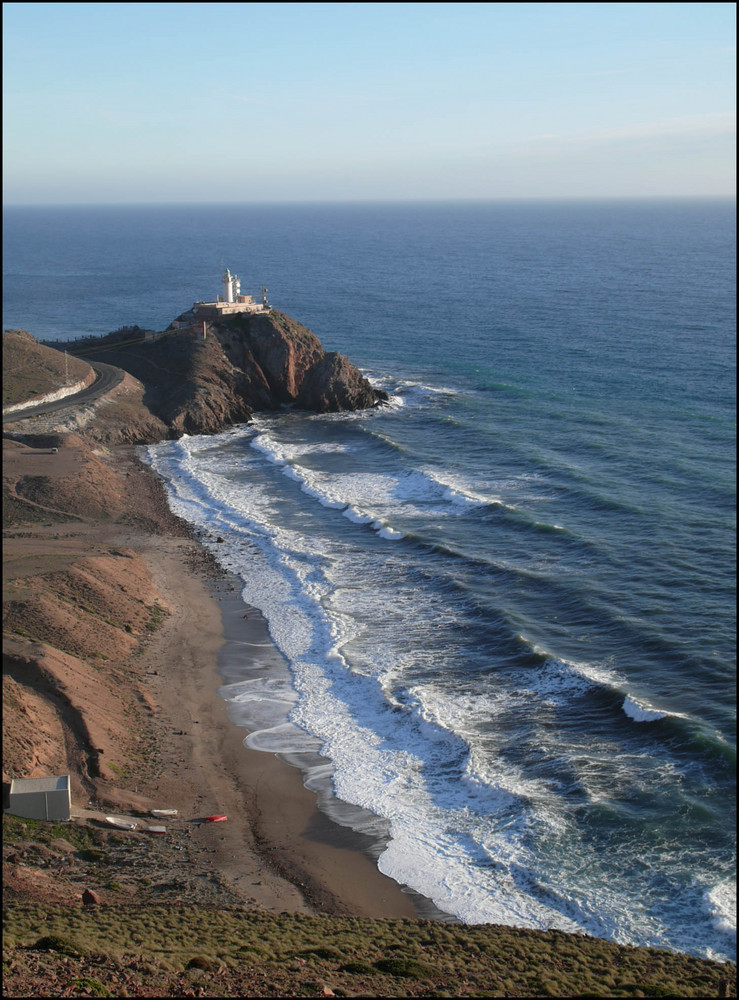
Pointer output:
x,y
155,829
120,823
163,813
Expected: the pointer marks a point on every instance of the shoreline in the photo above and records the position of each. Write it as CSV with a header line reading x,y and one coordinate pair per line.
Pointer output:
x,y
303,837
277,849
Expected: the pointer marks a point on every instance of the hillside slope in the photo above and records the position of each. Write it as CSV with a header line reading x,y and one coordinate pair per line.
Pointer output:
x,y
31,370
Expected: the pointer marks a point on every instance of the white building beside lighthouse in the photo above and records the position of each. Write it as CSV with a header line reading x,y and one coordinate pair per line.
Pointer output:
x,y
231,301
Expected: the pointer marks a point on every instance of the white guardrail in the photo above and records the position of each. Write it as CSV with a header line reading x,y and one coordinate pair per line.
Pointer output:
x,y
51,397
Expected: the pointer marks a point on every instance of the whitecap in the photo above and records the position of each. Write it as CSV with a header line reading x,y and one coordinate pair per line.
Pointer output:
x,y
560,678
386,532
721,905
357,516
458,492
269,448
395,402
641,711
430,390
322,496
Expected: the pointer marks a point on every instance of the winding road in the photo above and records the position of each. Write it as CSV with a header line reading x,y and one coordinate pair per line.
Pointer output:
x,y
107,378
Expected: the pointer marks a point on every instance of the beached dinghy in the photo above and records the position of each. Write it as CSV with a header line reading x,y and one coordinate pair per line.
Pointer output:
x,y
155,829
119,823
216,818
163,813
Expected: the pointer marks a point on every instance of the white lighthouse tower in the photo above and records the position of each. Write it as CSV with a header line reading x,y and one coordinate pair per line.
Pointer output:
x,y
231,286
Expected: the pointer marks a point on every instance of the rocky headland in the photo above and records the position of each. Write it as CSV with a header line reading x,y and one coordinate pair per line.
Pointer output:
x,y
198,381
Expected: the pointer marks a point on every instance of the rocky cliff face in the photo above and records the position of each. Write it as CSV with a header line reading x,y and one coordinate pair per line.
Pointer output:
x,y
273,350
246,363
291,364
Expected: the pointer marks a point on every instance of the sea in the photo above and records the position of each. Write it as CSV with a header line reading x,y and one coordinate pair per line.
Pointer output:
x,y
506,599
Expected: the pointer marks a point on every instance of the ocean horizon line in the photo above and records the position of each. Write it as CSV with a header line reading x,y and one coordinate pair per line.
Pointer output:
x,y
388,202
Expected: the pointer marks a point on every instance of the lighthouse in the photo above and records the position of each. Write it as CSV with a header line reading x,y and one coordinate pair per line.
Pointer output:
x,y
231,286
232,301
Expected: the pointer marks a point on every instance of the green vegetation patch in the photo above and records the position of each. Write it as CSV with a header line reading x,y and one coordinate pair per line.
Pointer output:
x,y
94,854
405,968
330,954
204,962
56,942
92,985
44,832
157,616
357,968
353,955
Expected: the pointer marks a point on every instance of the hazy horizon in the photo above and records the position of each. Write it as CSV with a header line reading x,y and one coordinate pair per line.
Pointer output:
x,y
543,200
110,103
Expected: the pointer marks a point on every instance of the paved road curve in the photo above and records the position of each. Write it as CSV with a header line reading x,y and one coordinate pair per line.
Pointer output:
x,y
108,377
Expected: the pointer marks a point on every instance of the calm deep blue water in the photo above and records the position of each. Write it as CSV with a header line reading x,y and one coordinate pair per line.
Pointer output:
x,y
507,598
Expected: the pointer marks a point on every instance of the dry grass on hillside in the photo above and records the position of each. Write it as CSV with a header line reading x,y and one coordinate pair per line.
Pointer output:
x,y
181,951
31,370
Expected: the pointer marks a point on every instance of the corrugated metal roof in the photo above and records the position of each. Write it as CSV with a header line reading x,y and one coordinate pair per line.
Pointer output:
x,y
53,784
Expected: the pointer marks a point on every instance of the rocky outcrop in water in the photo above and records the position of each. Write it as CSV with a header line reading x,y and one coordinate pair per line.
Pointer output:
x,y
334,384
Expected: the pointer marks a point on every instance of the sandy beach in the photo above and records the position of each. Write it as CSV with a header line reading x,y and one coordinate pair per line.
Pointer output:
x,y
276,851
276,847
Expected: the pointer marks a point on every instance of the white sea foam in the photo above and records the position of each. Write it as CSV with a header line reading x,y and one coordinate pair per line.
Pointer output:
x,y
411,386
256,715
283,738
556,681
386,532
366,496
458,491
387,385
375,761
269,447
324,497
721,905
560,678
641,711
465,714
261,688
358,516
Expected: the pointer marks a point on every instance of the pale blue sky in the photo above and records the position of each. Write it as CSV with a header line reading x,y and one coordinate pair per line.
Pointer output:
x,y
223,102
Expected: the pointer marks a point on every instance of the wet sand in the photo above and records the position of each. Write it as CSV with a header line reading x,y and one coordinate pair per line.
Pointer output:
x,y
276,848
